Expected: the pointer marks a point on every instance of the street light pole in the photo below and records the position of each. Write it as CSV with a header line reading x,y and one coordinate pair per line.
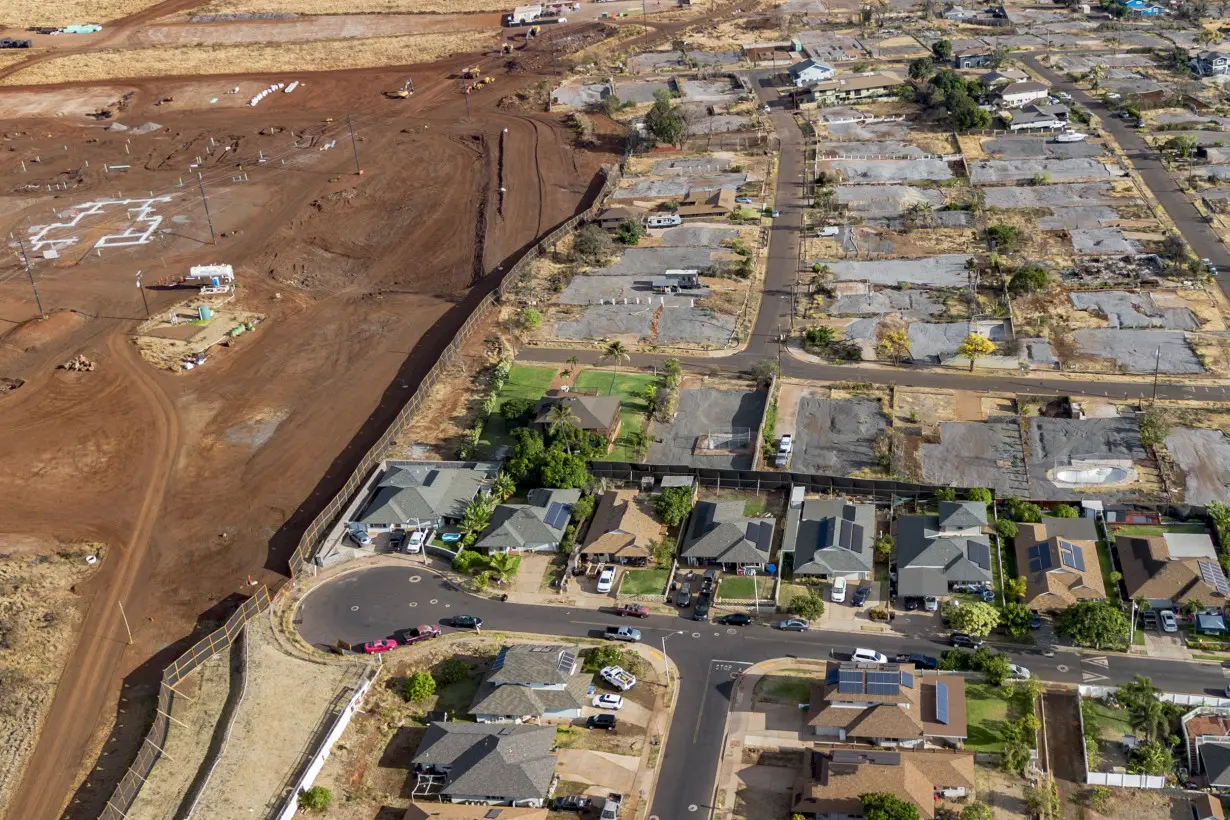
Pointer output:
x,y
666,663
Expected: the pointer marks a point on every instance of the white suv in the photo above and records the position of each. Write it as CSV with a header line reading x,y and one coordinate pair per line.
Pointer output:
x,y
606,579
868,656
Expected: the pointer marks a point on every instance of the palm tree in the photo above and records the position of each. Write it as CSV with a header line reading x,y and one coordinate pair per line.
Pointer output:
x,y
504,486
617,353
561,416
502,565
1150,719
572,366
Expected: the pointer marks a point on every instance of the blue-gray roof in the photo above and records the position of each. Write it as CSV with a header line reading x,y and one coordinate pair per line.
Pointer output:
x,y
831,537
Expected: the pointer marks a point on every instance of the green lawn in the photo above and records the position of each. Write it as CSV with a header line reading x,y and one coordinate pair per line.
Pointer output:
x,y
523,383
755,508
456,698
741,588
1112,590
633,410
1158,529
783,689
643,581
988,710
1110,721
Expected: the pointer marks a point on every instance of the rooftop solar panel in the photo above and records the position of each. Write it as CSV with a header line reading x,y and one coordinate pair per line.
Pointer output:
x,y
1078,555
833,676
1035,565
846,534
907,680
850,687
980,554
848,511
941,703
1044,559
1214,577
884,688
1067,559
882,677
557,514
856,538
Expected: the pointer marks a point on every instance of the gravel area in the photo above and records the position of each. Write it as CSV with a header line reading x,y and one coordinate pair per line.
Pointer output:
x,y
836,437
680,186
1037,353
1059,442
825,46
1015,41
858,172
1101,241
701,123
1059,170
1172,118
588,290
936,341
691,165
947,270
1034,147
650,262
607,321
1091,216
580,96
1204,458
1136,85
710,91
1124,309
889,148
1040,196
1201,137
911,304
697,236
1136,350
869,131
673,60
639,91
682,325
876,201
977,454
705,410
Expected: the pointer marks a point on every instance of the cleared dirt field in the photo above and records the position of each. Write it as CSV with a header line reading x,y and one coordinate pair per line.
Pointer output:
x,y
356,6
326,55
206,478
336,27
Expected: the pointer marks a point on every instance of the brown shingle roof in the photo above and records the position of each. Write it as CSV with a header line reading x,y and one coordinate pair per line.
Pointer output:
x,y
593,412
831,780
958,718
888,720
911,716
1059,586
620,527
1149,572
1208,807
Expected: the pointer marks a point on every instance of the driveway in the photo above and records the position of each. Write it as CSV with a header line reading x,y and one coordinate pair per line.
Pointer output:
x,y
1162,645
605,771
772,724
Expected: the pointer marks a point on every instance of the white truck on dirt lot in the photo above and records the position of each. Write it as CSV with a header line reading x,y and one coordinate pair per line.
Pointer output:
x,y
610,809
618,677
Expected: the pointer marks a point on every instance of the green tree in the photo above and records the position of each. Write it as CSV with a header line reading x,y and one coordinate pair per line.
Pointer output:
x,y
974,618
975,346
1149,718
516,408
617,353
531,319
819,337
1184,145
672,371
419,687
1192,606
895,344
583,508
611,104
477,515
601,656
887,806
502,565
525,458
1015,756
945,494
469,562
980,494
1015,618
1151,758
503,487
996,670
976,811
922,68
1006,528
590,244
1137,691
764,371
1064,511
942,49
453,670
809,606
884,546
1029,279
629,232
561,416
1006,237
663,121
317,798
1094,623
1023,511
564,470
1042,798
1014,588
673,505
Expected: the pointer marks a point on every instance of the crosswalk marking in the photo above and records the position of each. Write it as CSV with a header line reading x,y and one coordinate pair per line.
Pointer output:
x,y
1091,677
1099,661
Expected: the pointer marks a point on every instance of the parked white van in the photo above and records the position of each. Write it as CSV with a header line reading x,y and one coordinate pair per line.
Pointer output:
x,y
663,221
839,589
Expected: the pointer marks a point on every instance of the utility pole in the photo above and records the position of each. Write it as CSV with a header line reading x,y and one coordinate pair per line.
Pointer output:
x,y
144,300
213,237
358,169
1157,366
26,261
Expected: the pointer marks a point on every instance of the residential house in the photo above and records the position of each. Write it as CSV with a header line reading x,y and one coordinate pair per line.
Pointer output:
x,y
594,414
1207,807
888,705
418,495
494,765
1033,117
831,780
1215,761
1018,94
676,280
460,811
973,58
1208,726
621,532
611,218
778,51
532,682
827,538
536,526
719,533
1169,574
1002,76
853,89
936,551
809,72
1144,9
1059,560
959,13
1210,63
719,203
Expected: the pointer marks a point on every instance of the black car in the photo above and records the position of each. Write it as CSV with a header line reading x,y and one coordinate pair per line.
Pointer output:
x,y
737,619
1035,620
573,802
465,621
924,661
967,641
701,612
912,604
706,583
861,593
601,722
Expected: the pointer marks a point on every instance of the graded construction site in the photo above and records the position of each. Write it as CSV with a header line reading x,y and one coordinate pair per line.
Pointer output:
x,y
198,480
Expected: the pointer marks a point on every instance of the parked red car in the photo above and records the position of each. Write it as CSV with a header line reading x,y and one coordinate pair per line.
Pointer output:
x,y
423,632
635,610
382,645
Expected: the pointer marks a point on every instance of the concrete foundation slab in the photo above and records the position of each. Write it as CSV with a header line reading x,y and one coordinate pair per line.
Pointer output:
x,y
947,270
875,201
704,411
911,304
1136,351
1101,241
1204,457
859,172
1124,309
1040,196
836,437
1058,170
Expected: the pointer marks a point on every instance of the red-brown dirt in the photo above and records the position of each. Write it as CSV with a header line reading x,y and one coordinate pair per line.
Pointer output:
x,y
197,481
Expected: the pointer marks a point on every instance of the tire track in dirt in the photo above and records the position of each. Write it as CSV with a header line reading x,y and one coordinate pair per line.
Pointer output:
x,y
84,689
542,192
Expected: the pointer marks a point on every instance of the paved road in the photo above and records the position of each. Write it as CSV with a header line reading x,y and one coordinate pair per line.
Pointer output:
x,y
1145,159
372,603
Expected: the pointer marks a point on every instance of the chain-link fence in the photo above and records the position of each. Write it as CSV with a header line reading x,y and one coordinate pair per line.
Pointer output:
x,y
129,787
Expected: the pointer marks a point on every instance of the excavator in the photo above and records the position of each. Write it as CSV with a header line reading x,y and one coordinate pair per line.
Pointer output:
x,y
405,91
471,73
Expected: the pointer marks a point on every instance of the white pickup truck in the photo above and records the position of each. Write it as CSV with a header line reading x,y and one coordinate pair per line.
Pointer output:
x,y
618,677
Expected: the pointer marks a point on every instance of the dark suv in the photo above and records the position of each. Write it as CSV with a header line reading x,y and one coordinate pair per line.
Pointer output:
x,y
701,612
601,722
967,641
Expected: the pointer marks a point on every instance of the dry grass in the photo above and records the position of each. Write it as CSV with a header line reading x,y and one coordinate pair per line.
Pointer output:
x,y
8,58
37,610
327,55
356,6
22,13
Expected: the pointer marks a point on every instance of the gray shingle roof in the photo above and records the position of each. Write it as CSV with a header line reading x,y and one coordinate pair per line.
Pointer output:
x,y
720,532
515,526
928,562
1215,757
832,537
505,761
522,701
525,663
410,491
592,412
960,515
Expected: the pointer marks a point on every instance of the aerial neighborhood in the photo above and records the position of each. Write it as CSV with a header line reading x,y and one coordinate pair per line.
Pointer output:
x,y
615,410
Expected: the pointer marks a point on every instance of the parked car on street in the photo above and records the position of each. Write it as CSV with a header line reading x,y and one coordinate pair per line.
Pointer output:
x,y
612,702
794,625
633,610
606,579
1169,622
465,622
622,633
382,645
828,230
743,200
415,545
924,661
868,656
606,722
701,612
424,632
618,677
967,641
735,619
1018,672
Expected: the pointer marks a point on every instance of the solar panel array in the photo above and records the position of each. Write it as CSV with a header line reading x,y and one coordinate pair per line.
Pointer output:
x,y
851,682
1214,577
907,680
979,553
1071,556
941,703
1040,558
883,683
851,536
557,515
567,661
